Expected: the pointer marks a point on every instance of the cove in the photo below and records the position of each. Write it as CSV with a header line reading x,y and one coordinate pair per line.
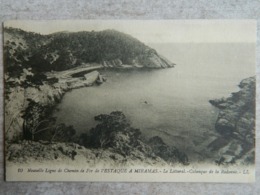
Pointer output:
x,y
171,103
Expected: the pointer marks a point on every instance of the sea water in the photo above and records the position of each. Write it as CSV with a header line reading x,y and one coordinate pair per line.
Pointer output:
x,y
171,103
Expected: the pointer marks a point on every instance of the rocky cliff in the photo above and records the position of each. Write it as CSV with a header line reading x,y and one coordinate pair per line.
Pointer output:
x,y
236,125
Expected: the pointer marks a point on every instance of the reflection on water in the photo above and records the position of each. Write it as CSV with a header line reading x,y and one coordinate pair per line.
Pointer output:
x,y
171,103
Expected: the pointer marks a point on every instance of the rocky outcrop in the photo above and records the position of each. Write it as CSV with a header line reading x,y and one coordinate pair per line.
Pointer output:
x,y
236,124
87,80
148,60
151,59
237,112
112,63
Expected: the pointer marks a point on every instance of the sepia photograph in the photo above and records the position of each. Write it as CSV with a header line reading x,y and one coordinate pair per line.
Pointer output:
x,y
130,100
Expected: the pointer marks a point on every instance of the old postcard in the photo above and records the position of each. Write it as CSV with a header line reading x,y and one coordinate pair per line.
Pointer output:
x,y
135,101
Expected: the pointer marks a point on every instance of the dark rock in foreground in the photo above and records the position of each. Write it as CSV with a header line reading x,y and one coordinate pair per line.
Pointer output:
x,y
236,124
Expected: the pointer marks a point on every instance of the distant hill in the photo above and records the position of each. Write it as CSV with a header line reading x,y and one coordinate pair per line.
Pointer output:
x,y
64,50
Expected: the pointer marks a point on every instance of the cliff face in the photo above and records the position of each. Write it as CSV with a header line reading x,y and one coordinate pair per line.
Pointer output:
x,y
236,124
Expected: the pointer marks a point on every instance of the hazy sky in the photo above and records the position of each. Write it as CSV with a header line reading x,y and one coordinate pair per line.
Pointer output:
x,y
154,31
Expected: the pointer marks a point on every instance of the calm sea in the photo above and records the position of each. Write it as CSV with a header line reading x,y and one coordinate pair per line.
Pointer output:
x,y
172,103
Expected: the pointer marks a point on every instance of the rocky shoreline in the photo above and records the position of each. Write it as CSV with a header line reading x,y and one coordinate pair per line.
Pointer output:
x,y
46,95
41,68
236,126
36,105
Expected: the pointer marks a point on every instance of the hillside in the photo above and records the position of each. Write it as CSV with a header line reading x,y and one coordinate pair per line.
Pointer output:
x,y
64,50
113,140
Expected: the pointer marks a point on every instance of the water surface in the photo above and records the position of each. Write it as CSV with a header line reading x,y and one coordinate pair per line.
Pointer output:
x,y
172,103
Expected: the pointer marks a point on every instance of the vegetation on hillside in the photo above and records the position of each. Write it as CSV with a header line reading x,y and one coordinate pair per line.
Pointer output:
x,y
61,51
